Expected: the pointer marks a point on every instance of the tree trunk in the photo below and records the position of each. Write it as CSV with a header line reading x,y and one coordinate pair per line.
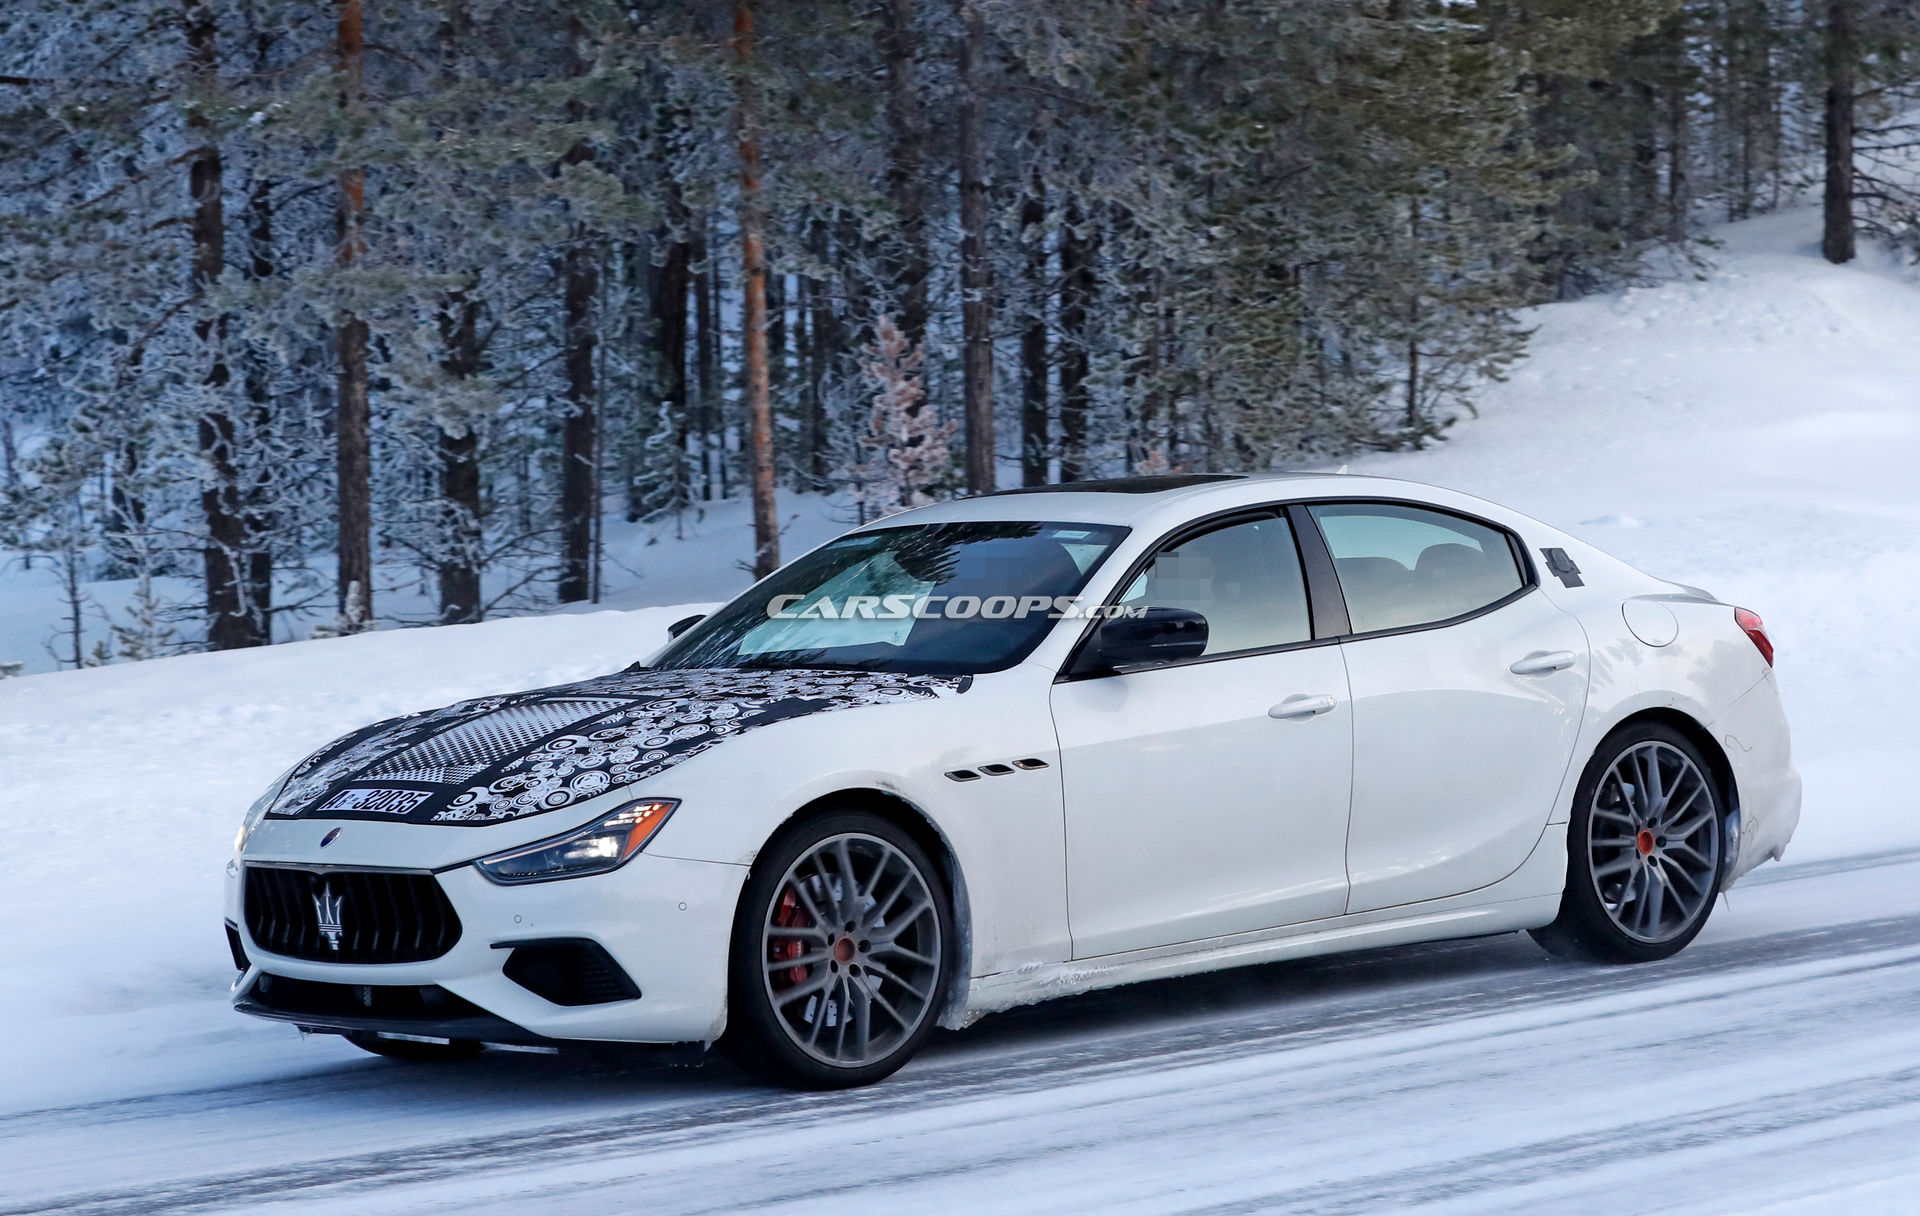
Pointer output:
x,y
1033,339
1679,191
776,330
229,622
717,418
578,502
459,571
459,567
667,300
1842,63
824,341
906,169
353,454
1645,217
9,453
753,267
1076,301
257,514
706,356
976,271
1414,424
579,433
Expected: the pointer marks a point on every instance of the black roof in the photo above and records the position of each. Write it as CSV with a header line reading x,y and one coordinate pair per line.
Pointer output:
x,y
1124,485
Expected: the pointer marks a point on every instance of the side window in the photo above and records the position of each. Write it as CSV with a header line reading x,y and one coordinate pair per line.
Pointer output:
x,y
1401,566
1244,578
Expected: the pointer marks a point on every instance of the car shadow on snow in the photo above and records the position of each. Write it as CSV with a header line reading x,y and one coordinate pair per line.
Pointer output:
x,y
1281,992
1281,995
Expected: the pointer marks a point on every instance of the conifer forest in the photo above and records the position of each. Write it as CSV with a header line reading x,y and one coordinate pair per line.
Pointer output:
x,y
294,296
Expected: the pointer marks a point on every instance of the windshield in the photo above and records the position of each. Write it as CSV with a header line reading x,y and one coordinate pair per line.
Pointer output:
x,y
932,599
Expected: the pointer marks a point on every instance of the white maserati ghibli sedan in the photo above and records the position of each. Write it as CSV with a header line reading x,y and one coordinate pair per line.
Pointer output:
x,y
1024,745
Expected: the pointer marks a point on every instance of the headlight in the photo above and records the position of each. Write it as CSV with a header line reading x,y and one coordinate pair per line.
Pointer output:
x,y
602,845
258,810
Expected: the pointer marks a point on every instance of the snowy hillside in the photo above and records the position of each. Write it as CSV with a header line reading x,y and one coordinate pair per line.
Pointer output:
x,y
1756,433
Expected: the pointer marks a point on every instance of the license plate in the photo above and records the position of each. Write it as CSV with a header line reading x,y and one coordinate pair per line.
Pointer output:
x,y
377,801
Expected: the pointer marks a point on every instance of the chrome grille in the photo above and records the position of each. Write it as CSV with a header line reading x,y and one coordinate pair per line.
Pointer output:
x,y
348,916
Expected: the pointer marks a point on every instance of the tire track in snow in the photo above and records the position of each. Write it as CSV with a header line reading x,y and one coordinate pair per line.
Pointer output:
x,y
1445,960
1366,1001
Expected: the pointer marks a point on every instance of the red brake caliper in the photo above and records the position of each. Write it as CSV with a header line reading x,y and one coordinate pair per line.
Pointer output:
x,y
790,915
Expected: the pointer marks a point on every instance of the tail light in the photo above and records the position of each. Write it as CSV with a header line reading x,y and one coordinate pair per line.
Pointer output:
x,y
1756,631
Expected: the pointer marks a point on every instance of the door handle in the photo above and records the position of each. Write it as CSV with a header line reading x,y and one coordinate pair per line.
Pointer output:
x,y
1540,662
1302,706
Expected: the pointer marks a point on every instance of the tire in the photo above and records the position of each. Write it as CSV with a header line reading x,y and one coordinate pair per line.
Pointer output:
x,y
866,968
413,1049
1646,844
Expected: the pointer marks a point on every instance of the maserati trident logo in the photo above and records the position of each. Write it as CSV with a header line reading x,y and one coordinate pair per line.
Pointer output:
x,y
326,906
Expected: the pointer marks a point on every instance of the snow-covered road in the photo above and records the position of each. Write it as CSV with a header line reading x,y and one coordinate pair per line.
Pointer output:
x,y
1774,1066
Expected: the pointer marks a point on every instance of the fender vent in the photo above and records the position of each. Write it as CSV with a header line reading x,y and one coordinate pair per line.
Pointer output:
x,y
995,770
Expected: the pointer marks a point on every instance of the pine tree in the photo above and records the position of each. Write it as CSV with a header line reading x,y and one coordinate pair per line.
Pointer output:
x,y
906,460
976,275
316,295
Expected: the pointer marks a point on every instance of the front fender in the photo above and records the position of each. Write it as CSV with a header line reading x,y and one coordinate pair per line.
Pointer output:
x,y
1006,832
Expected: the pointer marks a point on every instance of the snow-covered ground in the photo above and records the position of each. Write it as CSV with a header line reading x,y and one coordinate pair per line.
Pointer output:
x,y
1772,1068
1756,432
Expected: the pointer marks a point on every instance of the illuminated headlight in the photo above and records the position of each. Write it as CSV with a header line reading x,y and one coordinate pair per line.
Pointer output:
x,y
605,844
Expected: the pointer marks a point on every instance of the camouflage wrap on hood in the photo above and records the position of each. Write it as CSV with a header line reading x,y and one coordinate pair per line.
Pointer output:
x,y
498,758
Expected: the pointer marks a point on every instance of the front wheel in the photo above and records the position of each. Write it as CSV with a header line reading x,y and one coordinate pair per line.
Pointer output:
x,y
1644,848
840,954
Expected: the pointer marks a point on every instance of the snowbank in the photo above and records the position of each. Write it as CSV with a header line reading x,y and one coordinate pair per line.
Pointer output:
x,y
123,788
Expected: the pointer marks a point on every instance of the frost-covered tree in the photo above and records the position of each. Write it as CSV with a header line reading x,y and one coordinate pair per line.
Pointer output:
x,y
905,460
337,300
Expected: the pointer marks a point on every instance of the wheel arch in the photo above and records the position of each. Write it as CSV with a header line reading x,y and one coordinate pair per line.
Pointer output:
x,y
920,826
1700,737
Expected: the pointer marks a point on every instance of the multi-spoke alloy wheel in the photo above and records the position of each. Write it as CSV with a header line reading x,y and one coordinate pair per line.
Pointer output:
x,y
1653,842
849,953
1644,850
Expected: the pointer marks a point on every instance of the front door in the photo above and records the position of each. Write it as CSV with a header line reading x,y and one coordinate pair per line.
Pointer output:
x,y
1209,797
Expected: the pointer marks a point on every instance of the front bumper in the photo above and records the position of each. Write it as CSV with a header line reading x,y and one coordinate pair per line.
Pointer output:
x,y
666,922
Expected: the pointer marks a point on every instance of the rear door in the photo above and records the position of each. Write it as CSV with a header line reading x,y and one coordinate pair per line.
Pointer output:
x,y
1468,687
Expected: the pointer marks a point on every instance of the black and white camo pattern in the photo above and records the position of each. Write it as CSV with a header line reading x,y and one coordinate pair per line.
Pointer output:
x,y
660,719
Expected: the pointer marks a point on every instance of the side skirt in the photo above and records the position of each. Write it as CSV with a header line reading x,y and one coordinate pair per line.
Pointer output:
x,y
1526,899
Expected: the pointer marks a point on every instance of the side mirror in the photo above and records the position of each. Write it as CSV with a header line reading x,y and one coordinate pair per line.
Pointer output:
x,y
685,623
1156,635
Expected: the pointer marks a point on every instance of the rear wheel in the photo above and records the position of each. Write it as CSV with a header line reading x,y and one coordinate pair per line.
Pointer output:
x,y
1644,850
415,1049
839,966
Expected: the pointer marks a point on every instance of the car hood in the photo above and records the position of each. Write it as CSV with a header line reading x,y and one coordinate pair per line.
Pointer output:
x,y
498,758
